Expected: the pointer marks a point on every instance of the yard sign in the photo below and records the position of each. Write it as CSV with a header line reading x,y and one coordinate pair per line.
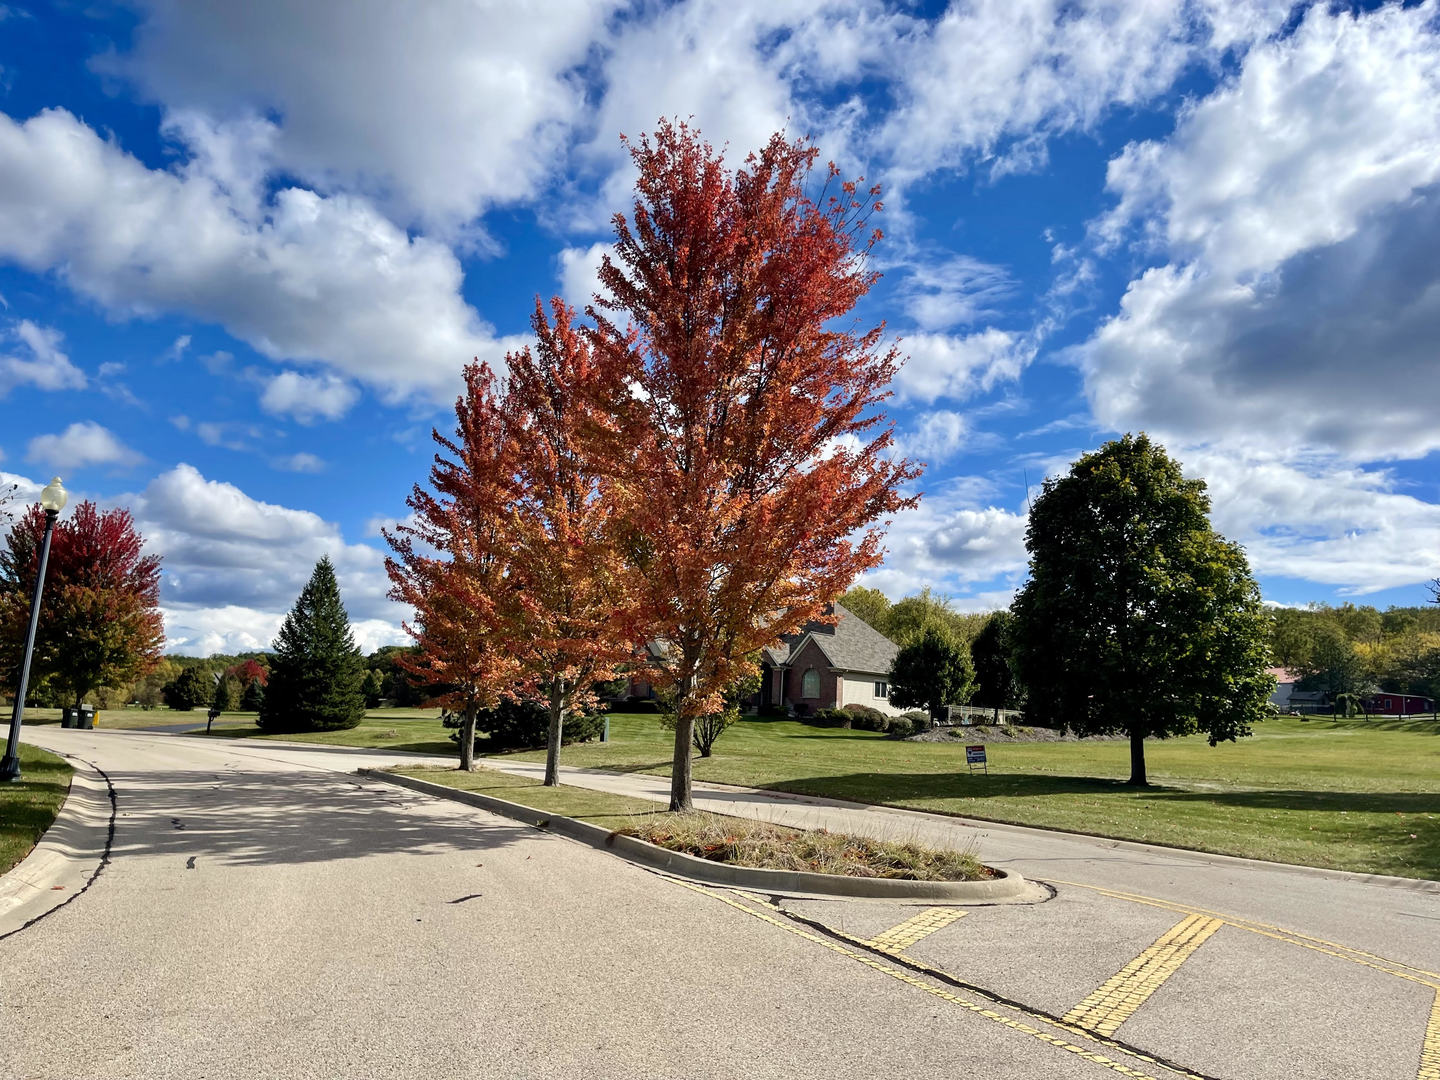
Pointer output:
x,y
975,755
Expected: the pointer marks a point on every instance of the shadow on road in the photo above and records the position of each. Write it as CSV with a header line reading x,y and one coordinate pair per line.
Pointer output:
x,y
258,818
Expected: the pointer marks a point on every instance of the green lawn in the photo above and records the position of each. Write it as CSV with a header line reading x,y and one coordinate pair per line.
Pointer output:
x,y
130,718
27,808
415,730
600,807
1351,794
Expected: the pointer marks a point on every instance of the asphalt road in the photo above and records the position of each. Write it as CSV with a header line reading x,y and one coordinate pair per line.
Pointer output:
x,y
267,914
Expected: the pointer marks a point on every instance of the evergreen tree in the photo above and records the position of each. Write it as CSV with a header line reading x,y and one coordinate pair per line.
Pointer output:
x,y
254,697
191,687
317,673
374,688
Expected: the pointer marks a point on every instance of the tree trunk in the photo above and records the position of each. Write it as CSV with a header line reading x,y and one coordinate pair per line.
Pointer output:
x,y
557,730
1137,760
467,738
680,763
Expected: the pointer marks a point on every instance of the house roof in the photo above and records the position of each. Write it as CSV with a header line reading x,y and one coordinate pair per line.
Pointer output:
x,y
851,644
1282,675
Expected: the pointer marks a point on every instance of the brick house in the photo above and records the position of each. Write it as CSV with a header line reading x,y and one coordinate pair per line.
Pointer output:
x,y
826,667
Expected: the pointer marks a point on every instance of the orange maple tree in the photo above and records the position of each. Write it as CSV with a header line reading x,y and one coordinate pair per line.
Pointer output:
x,y
746,454
451,563
570,579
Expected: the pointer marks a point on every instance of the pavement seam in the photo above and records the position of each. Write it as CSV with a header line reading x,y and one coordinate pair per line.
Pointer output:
x,y
104,856
946,978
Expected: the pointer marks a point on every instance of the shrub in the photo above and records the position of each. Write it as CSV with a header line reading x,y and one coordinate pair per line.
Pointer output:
x,y
865,718
525,725
830,718
902,727
638,705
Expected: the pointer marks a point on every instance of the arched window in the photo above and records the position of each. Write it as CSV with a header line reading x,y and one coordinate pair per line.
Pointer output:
x,y
810,685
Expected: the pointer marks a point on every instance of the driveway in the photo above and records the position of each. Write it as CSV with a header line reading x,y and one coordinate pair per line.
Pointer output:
x,y
266,913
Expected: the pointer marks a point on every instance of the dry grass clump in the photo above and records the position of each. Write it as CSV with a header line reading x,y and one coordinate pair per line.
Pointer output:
x,y
775,847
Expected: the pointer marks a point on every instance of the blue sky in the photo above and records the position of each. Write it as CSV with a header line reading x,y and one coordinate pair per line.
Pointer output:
x,y
245,250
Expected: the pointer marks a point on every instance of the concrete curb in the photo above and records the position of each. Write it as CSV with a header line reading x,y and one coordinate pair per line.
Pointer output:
x,y
1008,886
67,858
980,824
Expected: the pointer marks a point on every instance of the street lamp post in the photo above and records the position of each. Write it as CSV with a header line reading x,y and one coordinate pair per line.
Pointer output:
x,y
52,501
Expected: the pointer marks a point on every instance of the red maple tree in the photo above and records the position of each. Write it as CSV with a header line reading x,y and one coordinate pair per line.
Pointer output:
x,y
450,564
746,454
569,576
248,671
100,622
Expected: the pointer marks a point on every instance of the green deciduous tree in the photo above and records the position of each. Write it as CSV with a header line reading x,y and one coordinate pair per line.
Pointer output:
x,y
226,697
1138,617
933,671
870,605
1334,665
315,676
995,684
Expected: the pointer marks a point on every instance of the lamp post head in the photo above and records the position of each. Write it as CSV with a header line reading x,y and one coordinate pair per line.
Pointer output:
x,y
53,498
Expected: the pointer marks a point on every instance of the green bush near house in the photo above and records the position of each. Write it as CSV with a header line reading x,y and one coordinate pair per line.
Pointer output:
x,y
865,718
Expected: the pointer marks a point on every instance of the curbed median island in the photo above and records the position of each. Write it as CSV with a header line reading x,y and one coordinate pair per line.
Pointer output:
x,y
724,850
766,846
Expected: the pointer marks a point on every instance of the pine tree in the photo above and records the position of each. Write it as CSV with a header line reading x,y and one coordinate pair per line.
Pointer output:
x,y
316,676
254,697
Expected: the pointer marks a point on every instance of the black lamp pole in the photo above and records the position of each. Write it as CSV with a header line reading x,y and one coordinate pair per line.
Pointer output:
x,y
10,764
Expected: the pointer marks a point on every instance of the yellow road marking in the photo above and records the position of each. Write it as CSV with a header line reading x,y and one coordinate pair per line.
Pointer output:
x,y
1292,937
899,938
954,999
1430,1050
1119,996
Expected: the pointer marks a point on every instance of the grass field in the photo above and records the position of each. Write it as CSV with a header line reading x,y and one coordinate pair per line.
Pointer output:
x,y
28,808
414,730
1347,794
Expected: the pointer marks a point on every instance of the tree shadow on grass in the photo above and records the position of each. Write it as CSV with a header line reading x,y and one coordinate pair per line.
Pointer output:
x,y
266,818
1373,820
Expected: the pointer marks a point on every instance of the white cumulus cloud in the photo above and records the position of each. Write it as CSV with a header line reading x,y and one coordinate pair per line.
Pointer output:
x,y
82,444
42,365
308,397
297,274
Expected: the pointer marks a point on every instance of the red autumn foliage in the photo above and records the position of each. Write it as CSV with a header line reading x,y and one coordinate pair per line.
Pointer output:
x,y
247,671
570,580
450,564
100,623
745,451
